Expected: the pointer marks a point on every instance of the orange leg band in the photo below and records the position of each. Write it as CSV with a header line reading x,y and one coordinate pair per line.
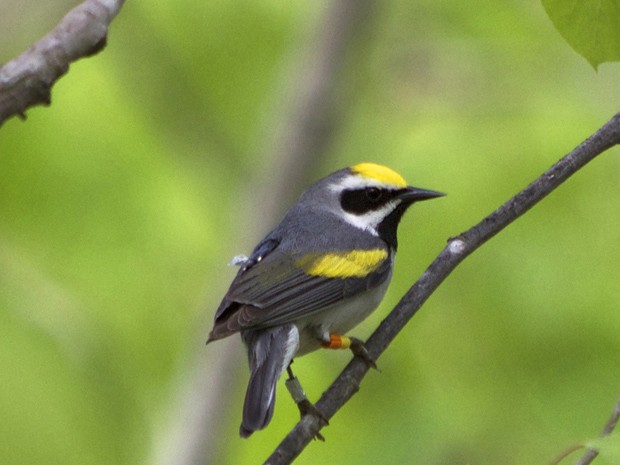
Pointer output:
x,y
337,342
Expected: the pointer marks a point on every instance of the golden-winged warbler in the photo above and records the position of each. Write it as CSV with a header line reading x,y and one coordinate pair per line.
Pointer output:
x,y
322,270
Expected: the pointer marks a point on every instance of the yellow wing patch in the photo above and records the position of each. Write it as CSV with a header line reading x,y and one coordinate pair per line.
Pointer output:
x,y
380,173
354,264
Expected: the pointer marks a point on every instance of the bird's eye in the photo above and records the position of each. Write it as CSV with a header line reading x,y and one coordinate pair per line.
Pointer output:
x,y
373,194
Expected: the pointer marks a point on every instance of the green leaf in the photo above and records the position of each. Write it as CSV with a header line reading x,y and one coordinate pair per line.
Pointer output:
x,y
591,27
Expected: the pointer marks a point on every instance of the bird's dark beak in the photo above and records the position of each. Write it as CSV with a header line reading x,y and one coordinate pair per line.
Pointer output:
x,y
414,194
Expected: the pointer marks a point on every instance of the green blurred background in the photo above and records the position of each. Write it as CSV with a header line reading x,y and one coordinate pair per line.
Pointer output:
x,y
121,204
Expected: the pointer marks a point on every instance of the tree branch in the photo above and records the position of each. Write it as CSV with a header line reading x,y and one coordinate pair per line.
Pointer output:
x,y
591,454
28,79
457,249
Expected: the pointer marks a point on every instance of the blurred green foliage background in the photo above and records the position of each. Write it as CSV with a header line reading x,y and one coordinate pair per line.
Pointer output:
x,y
121,204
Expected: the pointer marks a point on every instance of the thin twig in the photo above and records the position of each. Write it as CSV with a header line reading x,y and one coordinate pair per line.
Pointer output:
x,y
591,454
565,453
457,249
28,79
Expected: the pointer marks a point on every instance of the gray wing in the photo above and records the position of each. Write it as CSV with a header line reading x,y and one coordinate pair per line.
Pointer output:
x,y
272,291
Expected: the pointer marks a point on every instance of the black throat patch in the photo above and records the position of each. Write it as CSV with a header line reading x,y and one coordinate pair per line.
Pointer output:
x,y
388,227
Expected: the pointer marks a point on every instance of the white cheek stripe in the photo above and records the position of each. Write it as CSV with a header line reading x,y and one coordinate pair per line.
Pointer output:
x,y
370,221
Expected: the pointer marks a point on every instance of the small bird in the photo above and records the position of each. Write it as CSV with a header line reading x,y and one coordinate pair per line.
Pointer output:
x,y
321,271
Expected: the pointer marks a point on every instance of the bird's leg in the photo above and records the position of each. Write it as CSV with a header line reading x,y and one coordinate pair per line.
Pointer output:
x,y
335,341
303,404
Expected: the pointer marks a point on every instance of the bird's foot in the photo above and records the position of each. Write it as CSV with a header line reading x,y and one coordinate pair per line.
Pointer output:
x,y
359,350
303,404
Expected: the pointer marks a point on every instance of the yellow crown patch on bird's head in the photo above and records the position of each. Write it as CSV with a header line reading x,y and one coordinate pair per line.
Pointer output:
x,y
379,173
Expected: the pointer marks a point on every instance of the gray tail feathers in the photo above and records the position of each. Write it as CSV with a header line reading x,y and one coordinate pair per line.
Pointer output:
x,y
270,351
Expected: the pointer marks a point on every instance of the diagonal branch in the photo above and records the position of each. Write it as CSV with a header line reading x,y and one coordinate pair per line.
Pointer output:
x,y
28,79
591,454
457,249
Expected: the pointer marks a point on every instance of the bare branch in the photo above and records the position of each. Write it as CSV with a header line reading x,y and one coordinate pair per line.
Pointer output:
x,y
457,249
28,79
591,454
